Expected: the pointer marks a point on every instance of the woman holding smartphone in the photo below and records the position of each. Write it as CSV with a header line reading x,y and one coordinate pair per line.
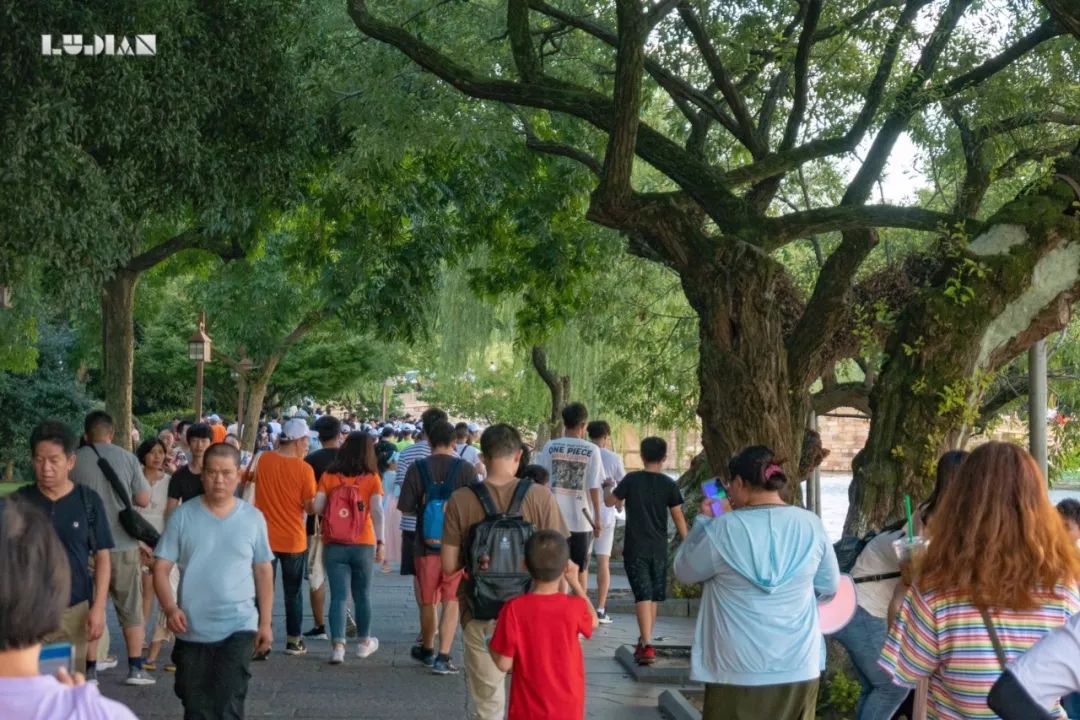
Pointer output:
x,y
30,611
757,644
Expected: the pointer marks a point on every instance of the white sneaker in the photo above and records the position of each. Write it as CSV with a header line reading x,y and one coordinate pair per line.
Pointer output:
x,y
338,655
108,663
368,649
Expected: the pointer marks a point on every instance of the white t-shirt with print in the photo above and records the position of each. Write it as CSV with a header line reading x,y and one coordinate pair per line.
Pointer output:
x,y
575,467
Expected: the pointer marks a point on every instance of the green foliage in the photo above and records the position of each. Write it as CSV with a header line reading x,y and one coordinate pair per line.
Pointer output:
x,y
839,696
107,155
49,392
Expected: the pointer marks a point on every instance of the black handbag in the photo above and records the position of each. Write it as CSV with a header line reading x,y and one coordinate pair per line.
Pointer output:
x,y
1008,698
133,523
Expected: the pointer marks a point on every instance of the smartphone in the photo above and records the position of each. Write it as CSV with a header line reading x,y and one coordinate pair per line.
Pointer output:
x,y
713,491
55,657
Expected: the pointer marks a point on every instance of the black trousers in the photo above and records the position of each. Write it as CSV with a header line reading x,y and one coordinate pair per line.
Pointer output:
x,y
212,678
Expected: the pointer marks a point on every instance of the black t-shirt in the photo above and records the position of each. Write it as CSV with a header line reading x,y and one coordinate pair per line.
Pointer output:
x,y
319,461
73,526
185,485
648,497
412,497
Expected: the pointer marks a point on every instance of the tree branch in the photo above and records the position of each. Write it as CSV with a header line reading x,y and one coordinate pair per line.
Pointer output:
x,y
1045,31
553,148
783,229
747,134
802,74
1022,157
521,45
854,19
629,67
192,238
697,178
853,395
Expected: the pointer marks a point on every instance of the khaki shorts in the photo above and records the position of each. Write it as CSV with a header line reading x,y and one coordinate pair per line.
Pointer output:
x,y
73,630
125,586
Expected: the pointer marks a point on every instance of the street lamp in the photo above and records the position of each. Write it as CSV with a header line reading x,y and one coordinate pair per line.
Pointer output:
x,y
199,352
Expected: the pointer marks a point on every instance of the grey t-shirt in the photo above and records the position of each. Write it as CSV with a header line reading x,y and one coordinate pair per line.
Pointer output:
x,y
127,468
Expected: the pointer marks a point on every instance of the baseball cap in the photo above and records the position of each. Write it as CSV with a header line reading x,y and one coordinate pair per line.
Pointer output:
x,y
214,418
473,427
294,429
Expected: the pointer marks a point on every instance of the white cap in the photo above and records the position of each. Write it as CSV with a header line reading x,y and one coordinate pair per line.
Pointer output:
x,y
473,427
294,429
408,427
214,418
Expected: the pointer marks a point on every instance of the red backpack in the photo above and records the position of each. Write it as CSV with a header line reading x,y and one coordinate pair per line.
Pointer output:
x,y
346,514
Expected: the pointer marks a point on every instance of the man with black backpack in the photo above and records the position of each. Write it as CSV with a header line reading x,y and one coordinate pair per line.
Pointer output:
x,y
126,565
428,485
485,530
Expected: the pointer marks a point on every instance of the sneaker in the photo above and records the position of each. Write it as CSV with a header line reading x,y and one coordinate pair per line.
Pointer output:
x,y
350,624
138,676
443,666
367,649
338,655
425,657
295,648
108,663
317,633
149,665
648,655
171,668
603,618
91,676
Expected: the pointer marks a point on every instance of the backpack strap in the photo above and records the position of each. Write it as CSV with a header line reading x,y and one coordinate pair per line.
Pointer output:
x,y
425,478
486,501
451,476
520,492
998,649
112,477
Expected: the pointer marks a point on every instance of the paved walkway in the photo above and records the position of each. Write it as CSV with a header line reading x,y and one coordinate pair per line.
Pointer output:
x,y
390,684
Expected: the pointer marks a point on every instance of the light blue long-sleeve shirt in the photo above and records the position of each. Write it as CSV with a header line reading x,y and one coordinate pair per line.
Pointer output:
x,y
763,569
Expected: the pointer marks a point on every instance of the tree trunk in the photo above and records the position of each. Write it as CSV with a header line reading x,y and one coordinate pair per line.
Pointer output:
x,y
118,324
559,387
996,295
256,394
746,395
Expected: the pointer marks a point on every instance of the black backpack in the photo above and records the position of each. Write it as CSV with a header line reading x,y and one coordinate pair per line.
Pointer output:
x,y
495,561
849,547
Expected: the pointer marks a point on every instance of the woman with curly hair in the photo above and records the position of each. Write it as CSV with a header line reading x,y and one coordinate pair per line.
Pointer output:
x,y
999,562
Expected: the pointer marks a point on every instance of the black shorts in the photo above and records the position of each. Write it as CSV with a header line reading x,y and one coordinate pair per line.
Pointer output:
x,y
648,577
408,544
580,543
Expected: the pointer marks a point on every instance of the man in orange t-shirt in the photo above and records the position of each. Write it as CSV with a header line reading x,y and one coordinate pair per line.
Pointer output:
x,y
284,490
218,431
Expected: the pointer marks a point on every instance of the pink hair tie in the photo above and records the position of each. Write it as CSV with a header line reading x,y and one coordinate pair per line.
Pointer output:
x,y
773,469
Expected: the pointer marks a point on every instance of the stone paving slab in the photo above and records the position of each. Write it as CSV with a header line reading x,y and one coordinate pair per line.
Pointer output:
x,y
390,685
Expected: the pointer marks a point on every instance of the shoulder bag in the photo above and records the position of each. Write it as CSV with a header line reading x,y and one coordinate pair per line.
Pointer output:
x,y
133,523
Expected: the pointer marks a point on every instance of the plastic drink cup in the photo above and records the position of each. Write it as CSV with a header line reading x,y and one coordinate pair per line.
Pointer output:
x,y
910,551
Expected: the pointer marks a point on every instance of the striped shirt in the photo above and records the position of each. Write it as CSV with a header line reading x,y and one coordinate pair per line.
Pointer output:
x,y
414,452
941,635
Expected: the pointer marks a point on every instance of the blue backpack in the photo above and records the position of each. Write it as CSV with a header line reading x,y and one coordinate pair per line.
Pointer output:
x,y
435,497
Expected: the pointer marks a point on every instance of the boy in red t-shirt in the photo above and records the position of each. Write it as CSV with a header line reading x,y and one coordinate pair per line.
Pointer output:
x,y
536,635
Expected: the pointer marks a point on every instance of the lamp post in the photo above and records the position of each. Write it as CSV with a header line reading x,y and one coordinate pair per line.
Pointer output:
x,y
199,352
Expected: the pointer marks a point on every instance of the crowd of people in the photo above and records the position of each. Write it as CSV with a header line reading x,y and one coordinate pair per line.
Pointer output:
x,y
498,538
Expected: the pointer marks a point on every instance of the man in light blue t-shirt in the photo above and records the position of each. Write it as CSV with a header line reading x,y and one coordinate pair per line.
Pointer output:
x,y
223,609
